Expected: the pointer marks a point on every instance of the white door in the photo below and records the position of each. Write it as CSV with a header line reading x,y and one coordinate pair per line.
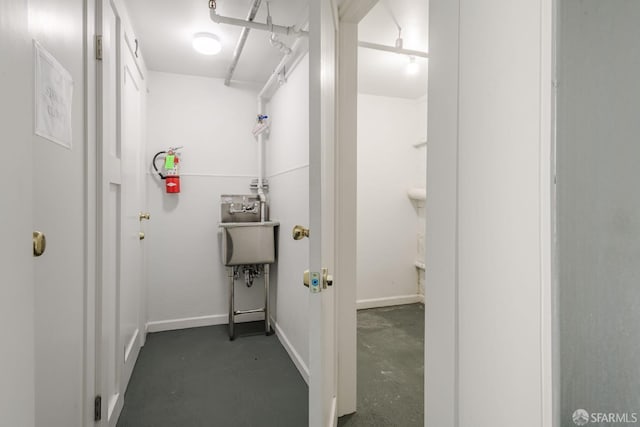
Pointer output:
x,y
109,199
59,204
119,317
131,322
16,285
322,334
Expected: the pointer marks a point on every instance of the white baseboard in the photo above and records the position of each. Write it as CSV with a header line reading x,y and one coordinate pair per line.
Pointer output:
x,y
293,354
196,322
389,301
334,410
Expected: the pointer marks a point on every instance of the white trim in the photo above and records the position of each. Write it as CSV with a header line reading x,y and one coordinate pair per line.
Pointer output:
x,y
293,354
389,301
206,175
113,405
196,322
547,209
346,215
132,341
334,409
286,171
90,214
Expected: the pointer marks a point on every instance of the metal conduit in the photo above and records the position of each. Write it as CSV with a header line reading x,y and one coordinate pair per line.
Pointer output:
x,y
393,49
241,42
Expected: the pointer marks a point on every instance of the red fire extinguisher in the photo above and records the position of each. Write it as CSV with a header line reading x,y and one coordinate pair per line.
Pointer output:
x,y
171,167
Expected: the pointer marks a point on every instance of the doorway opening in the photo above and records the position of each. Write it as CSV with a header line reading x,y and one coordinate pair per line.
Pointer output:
x,y
391,183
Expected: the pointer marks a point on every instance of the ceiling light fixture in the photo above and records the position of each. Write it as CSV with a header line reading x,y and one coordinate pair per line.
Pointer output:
x,y
207,43
413,67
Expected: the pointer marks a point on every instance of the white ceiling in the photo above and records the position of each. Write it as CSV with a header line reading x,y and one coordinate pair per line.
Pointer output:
x,y
384,73
165,29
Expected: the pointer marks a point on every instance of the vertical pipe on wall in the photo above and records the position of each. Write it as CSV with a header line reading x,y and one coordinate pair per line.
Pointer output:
x,y
291,59
261,105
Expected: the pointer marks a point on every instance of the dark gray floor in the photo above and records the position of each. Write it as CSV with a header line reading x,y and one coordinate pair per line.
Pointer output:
x,y
390,368
198,378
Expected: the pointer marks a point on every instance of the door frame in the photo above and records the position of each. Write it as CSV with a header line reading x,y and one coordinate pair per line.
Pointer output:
x,y
93,369
442,353
91,214
350,12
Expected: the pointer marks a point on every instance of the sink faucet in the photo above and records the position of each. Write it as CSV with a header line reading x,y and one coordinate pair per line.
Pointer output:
x,y
245,208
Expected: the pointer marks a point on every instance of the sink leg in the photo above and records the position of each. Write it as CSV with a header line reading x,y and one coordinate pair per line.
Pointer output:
x,y
231,304
267,308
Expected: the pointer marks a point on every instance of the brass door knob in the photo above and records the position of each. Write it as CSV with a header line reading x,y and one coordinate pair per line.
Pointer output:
x,y
299,232
39,243
141,235
144,215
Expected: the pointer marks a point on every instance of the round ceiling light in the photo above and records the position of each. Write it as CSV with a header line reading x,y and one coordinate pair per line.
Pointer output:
x,y
207,43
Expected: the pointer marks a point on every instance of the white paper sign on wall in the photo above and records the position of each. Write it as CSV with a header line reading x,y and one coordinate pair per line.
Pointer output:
x,y
53,92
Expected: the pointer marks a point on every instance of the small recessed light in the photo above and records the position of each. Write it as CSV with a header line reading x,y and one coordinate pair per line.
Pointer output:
x,y
413,67
207,43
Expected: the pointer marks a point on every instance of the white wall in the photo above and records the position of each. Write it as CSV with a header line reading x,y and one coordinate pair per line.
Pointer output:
x,y
187,281
420,181
487,308
420,160
388,166
287,165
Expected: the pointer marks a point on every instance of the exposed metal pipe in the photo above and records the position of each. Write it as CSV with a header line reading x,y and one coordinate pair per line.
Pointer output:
x,y
400,51
273,28
263,198
298,50
241,41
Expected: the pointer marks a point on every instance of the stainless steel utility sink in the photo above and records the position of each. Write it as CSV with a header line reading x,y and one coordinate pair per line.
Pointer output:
x,y
248,242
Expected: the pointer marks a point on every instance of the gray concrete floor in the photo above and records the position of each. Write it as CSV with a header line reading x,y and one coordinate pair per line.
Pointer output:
x,y
390,368
198,378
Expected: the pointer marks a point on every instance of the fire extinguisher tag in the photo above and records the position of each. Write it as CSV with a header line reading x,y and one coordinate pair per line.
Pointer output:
x,y
169,162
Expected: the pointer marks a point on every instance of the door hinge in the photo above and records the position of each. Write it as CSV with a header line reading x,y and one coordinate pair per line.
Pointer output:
x,y
97,408
99,48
